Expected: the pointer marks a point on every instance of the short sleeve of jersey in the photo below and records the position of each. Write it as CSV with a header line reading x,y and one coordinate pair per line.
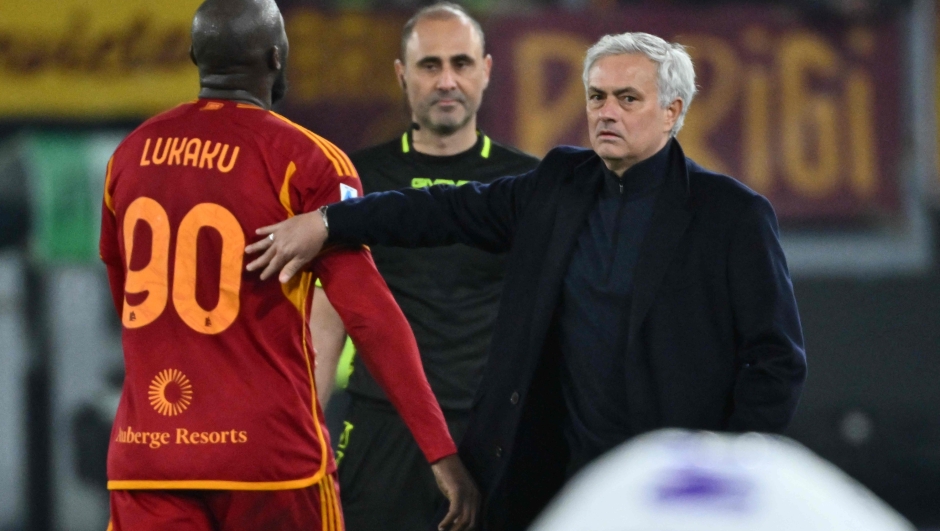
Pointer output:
x,y
321,175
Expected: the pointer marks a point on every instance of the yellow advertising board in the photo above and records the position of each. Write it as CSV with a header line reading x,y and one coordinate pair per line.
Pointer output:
x,y
94,58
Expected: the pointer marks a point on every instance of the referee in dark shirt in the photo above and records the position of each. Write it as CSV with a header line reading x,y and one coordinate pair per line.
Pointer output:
x,y
450,295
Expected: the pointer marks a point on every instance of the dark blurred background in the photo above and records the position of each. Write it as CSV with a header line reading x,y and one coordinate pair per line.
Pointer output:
x,y
827,107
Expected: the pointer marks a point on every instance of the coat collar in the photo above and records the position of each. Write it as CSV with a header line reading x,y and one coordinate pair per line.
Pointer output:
x,y
576,195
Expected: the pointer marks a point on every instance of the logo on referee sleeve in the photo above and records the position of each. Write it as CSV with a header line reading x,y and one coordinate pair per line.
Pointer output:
x,y
347,192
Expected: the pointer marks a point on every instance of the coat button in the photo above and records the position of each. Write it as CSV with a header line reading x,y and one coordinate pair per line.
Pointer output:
x,y
514,399
499,451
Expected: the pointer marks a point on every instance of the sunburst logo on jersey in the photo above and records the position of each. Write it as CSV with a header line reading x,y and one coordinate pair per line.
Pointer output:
x,y
170,392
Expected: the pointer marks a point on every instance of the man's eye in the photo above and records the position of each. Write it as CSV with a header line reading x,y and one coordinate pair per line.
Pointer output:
x,y
595,97
629,99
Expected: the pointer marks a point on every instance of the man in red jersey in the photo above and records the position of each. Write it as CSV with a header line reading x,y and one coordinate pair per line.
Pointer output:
x,y
218,425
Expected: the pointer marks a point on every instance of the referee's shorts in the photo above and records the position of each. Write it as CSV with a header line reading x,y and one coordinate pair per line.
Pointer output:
x,y
386,482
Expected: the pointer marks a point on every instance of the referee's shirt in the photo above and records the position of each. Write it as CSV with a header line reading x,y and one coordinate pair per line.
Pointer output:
x,y
450,295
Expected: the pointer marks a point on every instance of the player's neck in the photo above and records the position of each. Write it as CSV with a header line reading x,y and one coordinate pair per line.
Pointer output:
x,y
429,143
239,95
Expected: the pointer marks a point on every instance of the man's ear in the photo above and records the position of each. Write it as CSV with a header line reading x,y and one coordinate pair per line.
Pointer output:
x,y
487,67
275,59
400,74
673,112
192,55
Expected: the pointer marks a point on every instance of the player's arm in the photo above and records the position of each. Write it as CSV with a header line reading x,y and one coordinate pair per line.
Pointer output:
x,y
329,338
108,246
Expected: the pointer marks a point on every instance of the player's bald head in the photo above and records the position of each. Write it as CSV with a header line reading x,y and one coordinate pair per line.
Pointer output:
x,y
236,34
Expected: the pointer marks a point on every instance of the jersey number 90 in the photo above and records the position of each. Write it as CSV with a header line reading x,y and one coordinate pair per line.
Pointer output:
x,y
154,277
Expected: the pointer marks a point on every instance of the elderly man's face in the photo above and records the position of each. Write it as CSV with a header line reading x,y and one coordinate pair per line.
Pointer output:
x,y
626,122
444,74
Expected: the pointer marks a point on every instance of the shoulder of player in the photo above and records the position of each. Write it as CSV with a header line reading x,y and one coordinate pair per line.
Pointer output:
x,y
149,124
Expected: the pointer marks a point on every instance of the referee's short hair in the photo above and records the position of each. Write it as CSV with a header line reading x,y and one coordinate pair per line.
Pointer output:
x,y
439,11
675,73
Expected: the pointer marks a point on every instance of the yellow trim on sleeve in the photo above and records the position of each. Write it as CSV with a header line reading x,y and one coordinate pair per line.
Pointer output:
x,y
108,200
285,189
341,163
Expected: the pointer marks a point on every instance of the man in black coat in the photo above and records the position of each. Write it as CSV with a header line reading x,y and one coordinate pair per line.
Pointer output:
x,y
642,290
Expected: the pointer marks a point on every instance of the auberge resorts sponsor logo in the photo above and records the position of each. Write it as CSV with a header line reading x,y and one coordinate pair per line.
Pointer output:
x,y
156,439
170,392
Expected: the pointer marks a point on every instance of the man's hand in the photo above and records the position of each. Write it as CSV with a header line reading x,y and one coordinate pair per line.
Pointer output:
x,y
288,246
455,483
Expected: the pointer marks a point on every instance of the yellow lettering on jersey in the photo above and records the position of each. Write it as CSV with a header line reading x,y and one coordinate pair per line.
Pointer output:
x,y
207,157
194,152
223,167
184,436
176,153
154,439
193,147
144,161
158,157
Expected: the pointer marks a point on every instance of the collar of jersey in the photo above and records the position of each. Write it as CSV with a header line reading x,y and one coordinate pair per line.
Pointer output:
x,y
482,146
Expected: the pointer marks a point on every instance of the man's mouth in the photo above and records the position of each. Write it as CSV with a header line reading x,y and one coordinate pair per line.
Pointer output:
x,y
607,134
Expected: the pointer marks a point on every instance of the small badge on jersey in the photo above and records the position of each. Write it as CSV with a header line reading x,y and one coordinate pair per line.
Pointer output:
x,y
347,192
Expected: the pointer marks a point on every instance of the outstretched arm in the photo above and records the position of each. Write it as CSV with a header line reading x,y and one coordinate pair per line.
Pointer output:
x,y
479,215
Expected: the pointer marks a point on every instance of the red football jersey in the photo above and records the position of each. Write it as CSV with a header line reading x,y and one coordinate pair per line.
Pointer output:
x,y
219,386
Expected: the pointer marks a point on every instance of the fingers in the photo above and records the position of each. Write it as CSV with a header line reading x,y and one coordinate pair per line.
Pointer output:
x,y
270,229
291,269
450,518
259,246
274,265
262,260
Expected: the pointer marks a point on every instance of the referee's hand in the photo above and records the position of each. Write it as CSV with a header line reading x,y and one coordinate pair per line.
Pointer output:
x,y
455,483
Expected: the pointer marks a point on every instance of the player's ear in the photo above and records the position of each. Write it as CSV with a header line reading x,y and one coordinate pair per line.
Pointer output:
x,y
192,55
275,59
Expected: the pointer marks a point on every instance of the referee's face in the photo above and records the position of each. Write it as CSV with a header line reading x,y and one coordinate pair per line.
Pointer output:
x,y
444,74
626,122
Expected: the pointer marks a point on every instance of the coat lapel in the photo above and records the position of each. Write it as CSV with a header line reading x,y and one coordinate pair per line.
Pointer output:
x,y
671,217
576,196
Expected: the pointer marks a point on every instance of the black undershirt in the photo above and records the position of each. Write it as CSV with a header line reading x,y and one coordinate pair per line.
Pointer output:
x,y
450,295
597,291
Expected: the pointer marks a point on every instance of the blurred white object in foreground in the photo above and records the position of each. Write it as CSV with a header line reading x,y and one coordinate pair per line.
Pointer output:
x,y
674,480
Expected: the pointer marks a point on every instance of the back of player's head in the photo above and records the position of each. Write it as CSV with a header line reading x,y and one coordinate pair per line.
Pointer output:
x,y
234,36
439,11
676,480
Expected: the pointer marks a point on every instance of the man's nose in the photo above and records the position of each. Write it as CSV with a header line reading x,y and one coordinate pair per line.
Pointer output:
x,y
609,109
447,79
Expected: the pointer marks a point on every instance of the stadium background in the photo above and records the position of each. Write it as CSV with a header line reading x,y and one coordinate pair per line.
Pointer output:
x,y
828,107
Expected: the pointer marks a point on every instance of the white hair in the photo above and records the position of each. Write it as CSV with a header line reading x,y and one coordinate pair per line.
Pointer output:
x,y
675,73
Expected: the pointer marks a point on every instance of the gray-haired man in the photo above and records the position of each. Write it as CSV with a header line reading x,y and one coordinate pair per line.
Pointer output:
x,y
642,290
